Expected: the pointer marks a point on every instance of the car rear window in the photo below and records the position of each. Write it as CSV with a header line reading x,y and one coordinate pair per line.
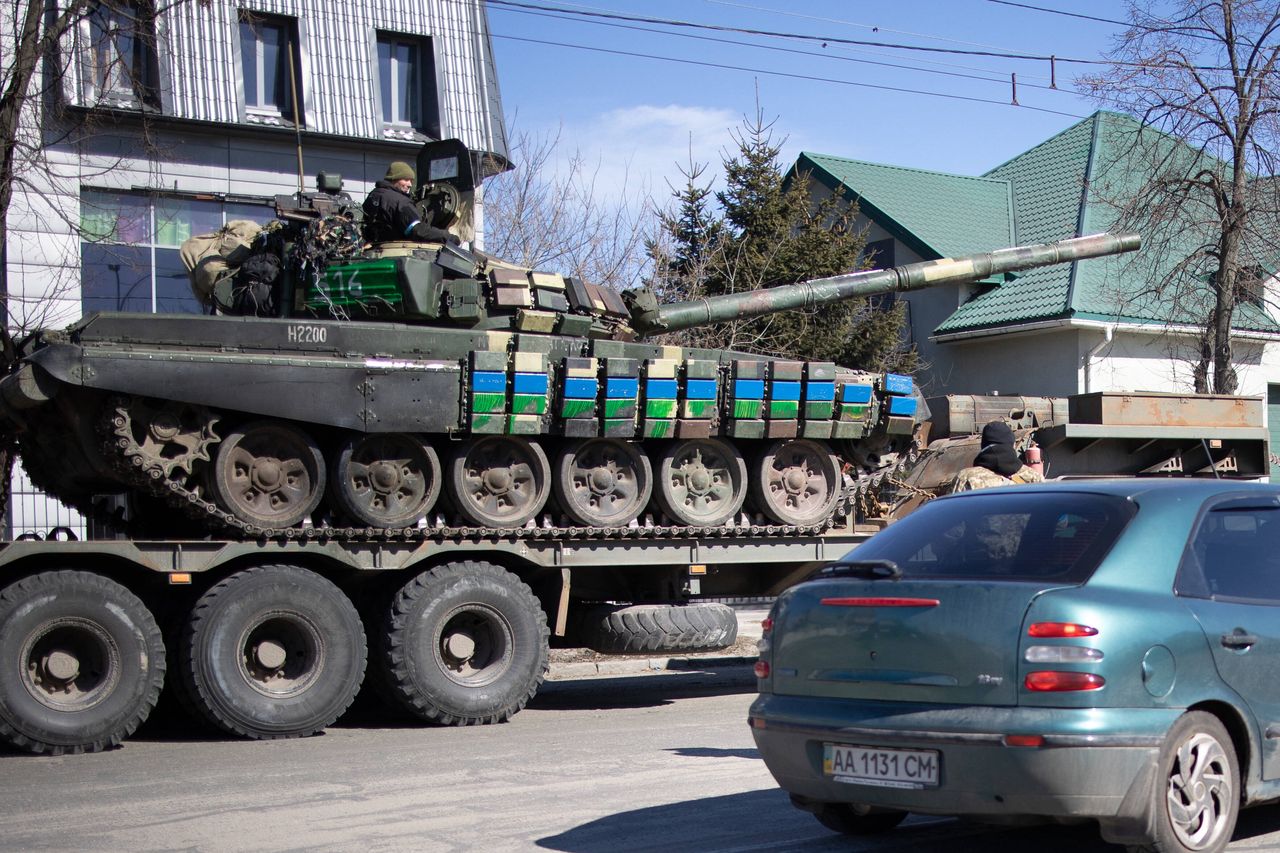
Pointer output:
x,y
1059,536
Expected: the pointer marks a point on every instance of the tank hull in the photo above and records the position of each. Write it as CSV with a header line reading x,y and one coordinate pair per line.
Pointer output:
x,y
145,401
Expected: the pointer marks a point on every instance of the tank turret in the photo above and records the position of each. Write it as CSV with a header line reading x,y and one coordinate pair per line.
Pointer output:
x,y
420,390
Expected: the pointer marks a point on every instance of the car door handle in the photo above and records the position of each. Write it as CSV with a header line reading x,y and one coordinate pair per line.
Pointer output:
x,y
1238,639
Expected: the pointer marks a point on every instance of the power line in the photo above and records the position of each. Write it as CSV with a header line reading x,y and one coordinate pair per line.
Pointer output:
x,y
1059,12
787,74
1000,78
875,28
830,39
1163,25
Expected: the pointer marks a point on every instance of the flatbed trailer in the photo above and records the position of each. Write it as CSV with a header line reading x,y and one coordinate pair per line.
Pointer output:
x,y
269,639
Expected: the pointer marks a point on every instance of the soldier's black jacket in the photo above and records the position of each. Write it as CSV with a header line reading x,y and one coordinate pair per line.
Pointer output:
x,y
388,214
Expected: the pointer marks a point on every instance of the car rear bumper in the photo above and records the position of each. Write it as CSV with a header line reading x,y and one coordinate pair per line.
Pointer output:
x,y
1089,766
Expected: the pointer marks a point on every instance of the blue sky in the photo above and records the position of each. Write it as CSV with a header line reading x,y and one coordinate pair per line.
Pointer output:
x,y
631,114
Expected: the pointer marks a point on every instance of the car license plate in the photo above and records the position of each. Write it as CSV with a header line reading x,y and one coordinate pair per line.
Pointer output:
x,y
885,768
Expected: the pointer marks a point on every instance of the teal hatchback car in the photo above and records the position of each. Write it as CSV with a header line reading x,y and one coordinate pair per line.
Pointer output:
x,y
1087,650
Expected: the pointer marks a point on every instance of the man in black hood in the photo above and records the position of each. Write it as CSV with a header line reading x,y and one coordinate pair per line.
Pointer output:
x,y
997,463
390,214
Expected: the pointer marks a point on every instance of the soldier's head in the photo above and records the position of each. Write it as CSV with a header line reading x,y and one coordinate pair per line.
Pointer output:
x,y
997,432
401,175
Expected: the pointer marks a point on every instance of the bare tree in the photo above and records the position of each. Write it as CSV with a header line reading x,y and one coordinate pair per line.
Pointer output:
x,y
93,53
1201,75
554,215
30,37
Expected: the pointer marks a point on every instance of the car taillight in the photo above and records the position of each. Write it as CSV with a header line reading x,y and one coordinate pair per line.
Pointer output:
x,y
761,669
1061,654
1024,740
1060,630
1062,682
766,624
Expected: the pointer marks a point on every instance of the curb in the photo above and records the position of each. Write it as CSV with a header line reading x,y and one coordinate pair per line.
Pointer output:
x,y
734,666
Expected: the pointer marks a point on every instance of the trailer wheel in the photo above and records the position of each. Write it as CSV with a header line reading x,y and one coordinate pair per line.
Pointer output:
x,y
466,644
82,663
273,652
646,628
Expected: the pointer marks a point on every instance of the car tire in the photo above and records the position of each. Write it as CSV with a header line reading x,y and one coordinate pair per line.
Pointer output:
x,y
1198,769
647,628
857,819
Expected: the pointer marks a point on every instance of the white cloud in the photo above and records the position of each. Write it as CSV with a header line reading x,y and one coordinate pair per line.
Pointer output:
x,y
639,149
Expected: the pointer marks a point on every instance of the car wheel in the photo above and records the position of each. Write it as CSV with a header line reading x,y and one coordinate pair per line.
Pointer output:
x,y
1197,798
857,819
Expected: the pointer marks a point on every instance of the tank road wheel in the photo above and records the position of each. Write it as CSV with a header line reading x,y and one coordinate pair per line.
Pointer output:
x,y
499,481
268,473
81,663
602,482
1196,798
387,480
466,644
273,652
797,482
701,481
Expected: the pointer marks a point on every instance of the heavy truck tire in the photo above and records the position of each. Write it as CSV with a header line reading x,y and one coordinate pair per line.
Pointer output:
x,y
83,663
647,628
465,644
273,652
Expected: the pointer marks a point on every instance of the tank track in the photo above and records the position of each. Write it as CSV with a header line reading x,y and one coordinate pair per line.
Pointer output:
x,y
134,467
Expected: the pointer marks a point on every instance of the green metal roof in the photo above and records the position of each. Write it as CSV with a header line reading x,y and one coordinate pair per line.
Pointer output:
x,y
1050,202
937,214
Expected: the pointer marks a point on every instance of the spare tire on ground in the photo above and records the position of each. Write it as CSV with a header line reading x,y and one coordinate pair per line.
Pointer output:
x,y
648,628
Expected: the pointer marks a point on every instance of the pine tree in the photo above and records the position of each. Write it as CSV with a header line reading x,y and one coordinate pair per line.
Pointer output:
x,y
769,232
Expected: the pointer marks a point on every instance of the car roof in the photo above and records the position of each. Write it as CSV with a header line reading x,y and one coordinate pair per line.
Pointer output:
x,y
1138,488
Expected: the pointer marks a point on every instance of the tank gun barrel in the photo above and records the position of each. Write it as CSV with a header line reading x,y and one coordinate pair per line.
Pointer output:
x,y
652,319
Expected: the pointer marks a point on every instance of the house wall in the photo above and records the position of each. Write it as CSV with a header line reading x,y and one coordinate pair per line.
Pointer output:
x,y
1037,365
202,141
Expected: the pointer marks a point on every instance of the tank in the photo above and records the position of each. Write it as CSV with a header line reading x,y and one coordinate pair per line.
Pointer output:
x,y
421,390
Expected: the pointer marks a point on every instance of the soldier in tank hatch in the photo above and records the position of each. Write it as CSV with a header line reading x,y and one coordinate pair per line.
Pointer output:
x,y
390,214
997,463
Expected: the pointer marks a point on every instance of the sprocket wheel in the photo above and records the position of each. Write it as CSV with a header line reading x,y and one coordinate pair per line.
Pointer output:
x,y
164,436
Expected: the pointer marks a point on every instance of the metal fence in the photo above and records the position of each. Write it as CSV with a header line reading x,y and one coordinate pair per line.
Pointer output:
x,y
31,511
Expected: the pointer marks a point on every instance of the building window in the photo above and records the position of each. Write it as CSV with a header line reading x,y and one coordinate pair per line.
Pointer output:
x,y
267,43
120,67
406,76
129,251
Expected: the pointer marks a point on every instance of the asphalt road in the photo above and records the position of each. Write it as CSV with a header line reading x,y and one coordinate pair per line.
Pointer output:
x,y
640,763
